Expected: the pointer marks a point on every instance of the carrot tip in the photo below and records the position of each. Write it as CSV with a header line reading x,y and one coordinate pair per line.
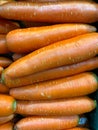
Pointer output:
x,y
14,105
82,121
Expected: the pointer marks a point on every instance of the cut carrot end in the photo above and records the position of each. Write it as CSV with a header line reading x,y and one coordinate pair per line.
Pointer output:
x,y
82,121
14,105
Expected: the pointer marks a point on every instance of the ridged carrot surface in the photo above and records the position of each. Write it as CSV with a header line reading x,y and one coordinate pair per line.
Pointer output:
x,y
4,61
5,119
7,105
7,25
73,86
54,73
7,126
3,89
29,39
62,107
58,12
47,123
65,52
3,45
78,128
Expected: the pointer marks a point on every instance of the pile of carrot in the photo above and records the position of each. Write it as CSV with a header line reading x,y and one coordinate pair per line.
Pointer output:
x,y
48,58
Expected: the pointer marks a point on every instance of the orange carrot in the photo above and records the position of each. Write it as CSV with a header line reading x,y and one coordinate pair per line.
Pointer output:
x,y
7,126
5,1
7,105
1,69
42,1
54,73
5,119
65,52
30,39
79,128
57,12
7,25
62,107
16,56
73,86
3,89
47,123
3,45
4,61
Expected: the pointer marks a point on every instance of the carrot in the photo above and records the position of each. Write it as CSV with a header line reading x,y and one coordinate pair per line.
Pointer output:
x,y
5,119
62,107
77,85
54,73
65,52
3,89
5,1
7,105
57,12
7,126
17,56
1,69
79,128
3,45
7,25
29,39
48,123
42,1
4,61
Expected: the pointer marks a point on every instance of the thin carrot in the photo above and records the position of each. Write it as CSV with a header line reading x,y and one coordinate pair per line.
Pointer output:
x,y
16,56
79,128
30,39
7,126
47,123
73,86
7,105
5,119
3,89
57,12
3,45
1,69
54,73
7,25
4,61
62,107
65,52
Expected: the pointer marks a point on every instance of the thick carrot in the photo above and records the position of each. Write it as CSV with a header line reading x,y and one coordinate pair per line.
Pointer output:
x,y
7,126
4,61
79,128
3,89
7,105
7,25
3,45
47,123
1,69
68,11
73,86
62,107
30,39
17,56
65,52
54,73
5,119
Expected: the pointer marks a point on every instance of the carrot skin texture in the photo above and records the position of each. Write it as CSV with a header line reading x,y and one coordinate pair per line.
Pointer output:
x,y
4,61
7,126
7,26
47,123
3,45
8,105
79,128
30,39
63,107
51,12
73,86
54,73
61,53
3,89
5,119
